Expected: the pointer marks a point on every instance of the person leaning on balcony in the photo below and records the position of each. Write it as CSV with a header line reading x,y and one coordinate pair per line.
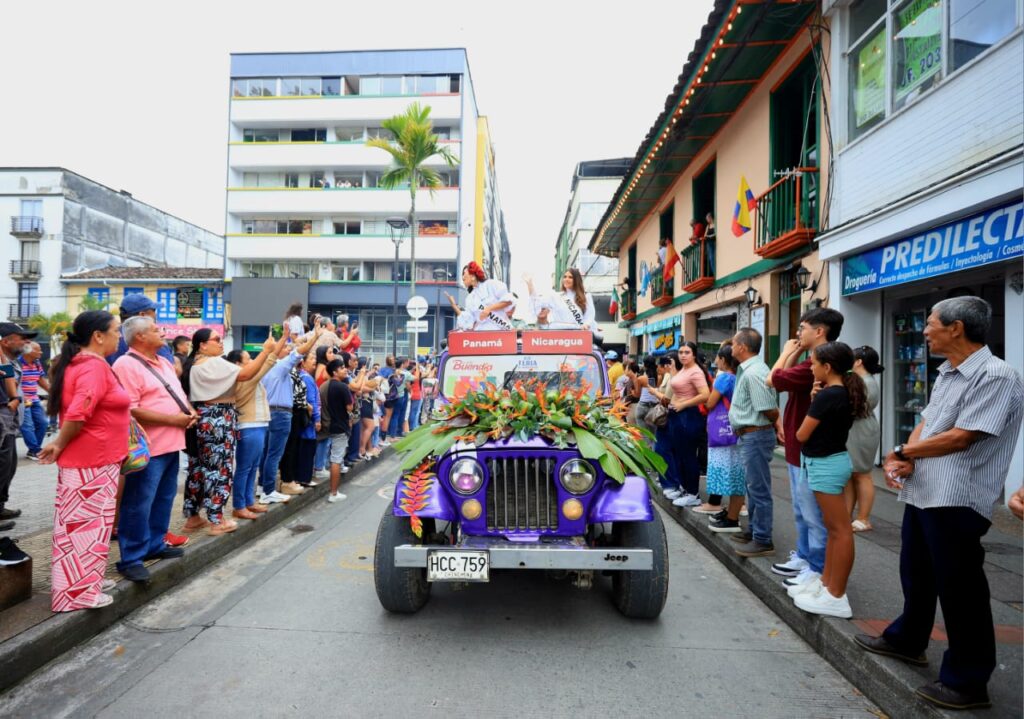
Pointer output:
x,y
487,303
697,230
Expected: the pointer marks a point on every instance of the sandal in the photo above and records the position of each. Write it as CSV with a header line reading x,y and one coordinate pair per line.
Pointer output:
x,y
861,526
244,514
257,508
194,528
215,530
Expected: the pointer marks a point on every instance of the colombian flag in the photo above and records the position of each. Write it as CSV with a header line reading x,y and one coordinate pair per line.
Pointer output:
x,y
671,258
745,204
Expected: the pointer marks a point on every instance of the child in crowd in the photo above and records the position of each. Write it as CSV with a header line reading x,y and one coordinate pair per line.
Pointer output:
x,y
839,398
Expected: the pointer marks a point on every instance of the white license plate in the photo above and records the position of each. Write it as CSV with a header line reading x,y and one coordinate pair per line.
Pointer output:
x,y
458,566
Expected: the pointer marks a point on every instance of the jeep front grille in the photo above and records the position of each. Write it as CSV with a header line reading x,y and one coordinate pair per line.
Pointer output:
x,y
521,494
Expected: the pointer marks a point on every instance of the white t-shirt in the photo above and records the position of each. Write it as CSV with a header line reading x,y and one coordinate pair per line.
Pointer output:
x,y
294,325
562,311
486,293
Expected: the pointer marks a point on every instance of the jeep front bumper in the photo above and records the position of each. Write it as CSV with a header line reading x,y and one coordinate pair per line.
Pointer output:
x,y
547,554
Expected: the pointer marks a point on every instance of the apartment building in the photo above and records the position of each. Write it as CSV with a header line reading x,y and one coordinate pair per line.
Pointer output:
x,y
61,224
305,204
928,171
593,184
747,107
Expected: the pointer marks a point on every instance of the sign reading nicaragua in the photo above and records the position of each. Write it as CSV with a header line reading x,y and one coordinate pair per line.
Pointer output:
x,y
495,342
558,342
990,236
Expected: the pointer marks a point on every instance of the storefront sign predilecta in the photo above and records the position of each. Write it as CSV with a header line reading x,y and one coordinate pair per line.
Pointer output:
x,y
991,236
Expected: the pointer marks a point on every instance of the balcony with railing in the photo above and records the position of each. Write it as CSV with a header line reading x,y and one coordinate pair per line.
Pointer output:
x,y
21,311
629,305
699,266
27,226
662,292
787,213
26,269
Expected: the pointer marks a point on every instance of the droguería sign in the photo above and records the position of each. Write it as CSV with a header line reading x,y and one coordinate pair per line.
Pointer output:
x,y
990,236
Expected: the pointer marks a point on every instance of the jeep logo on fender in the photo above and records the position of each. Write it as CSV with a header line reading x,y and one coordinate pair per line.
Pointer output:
x,y
616,558
553,342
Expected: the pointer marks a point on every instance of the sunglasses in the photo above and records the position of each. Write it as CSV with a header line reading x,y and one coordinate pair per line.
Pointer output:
x,y
214,338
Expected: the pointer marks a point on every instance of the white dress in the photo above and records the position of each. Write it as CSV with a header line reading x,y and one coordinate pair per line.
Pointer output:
x,y
486,293
563,312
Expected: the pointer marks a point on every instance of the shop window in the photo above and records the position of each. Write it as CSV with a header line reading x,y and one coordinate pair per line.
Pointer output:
x,y
167,306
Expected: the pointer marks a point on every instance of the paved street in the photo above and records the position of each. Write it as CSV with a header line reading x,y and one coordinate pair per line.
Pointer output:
x,y
291,625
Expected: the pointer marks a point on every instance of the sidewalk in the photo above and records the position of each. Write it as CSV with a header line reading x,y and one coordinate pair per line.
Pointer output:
x,y
31,635
877,599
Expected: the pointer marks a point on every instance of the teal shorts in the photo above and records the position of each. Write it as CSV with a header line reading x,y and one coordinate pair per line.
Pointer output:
x,y
828,475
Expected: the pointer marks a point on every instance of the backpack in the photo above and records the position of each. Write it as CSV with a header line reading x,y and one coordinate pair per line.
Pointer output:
x,y
391,394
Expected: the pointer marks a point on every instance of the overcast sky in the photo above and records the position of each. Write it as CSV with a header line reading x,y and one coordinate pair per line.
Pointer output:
x,y
135,94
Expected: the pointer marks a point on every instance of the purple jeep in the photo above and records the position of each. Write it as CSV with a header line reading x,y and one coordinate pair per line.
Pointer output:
x,y
520,502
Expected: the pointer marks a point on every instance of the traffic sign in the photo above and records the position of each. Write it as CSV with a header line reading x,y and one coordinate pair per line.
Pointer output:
x,y
416,326
416,306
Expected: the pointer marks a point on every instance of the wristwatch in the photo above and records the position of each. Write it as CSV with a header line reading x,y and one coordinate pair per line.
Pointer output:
x,y
898,451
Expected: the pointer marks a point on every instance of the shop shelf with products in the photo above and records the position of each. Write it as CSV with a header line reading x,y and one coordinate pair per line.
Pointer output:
x,y
916,369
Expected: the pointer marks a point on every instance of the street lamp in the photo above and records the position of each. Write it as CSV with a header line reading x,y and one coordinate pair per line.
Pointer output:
x,y
803,280
397,227
752,295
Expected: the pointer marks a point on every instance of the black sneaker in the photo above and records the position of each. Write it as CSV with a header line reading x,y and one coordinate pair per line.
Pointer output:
x,y
742,537
10,554
6,524
34,456
9,513
720,514
136,573
753,548
725,525
167,553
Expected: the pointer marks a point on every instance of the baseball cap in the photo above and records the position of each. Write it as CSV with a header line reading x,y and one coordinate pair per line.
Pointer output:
x,y
134,304
611,354
9,328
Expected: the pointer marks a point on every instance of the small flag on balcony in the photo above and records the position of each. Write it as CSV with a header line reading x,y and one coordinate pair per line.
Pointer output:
x,y
613,306
671,258
645,278
745,204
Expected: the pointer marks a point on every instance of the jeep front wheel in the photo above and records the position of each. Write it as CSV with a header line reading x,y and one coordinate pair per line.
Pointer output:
x,y
642,594
399,590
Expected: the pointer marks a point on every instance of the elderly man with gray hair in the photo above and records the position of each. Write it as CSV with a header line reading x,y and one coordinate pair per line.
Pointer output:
x,y
350,339
950,473
158,404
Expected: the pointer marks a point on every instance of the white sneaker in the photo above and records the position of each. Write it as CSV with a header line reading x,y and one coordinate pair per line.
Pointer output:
x,y
671,493
686,500
744,512
345,469
822,602
322,474
274,498
802,577
790,568
332,498
813,584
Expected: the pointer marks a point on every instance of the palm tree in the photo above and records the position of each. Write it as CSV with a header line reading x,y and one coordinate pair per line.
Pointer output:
x,y
413,144
93,302
54,326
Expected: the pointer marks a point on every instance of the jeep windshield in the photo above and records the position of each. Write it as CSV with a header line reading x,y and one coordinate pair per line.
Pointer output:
x,y
460,374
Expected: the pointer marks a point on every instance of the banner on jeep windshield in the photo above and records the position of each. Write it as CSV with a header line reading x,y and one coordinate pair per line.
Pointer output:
x,y
558,342
497,342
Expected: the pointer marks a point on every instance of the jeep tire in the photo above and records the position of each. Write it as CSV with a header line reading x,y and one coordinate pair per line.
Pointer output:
x,y
403,591
642,594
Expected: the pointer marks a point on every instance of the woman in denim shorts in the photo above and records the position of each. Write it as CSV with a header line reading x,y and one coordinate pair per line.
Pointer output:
x,y
839,397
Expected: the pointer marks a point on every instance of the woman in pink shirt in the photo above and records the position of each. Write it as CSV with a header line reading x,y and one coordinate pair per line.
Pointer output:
x,y
89,449
686,424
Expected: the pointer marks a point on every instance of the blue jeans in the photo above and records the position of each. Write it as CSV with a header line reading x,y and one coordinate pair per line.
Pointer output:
x,y
323,453
415,406
398,417
248,456
663,448
810,527
277,440
684,431
146,509
352,451
756,448
33,427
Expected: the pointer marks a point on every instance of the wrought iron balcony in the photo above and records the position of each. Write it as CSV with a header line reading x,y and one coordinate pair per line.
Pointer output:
x,y
20,311
26,269
699,266
27,226
787,213
629,305
661,292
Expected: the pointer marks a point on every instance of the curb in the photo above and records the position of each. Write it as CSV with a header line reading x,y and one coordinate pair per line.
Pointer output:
x,y
24,653
888,683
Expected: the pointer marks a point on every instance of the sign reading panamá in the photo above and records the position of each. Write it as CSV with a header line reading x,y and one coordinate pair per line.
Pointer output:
x,y
991,236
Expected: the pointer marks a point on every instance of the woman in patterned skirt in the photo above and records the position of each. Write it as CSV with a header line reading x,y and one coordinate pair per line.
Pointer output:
x,y
92,443
210,381
725,462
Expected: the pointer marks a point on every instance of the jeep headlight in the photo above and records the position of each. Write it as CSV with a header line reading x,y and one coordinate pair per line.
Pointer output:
x,y
466,476
577,476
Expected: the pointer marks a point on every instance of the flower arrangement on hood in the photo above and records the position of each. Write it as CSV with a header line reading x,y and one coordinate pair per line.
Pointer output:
x,y
564,417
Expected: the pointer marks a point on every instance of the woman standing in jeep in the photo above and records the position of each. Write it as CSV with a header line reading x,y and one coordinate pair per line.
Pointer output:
x,y
488,304
570,309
